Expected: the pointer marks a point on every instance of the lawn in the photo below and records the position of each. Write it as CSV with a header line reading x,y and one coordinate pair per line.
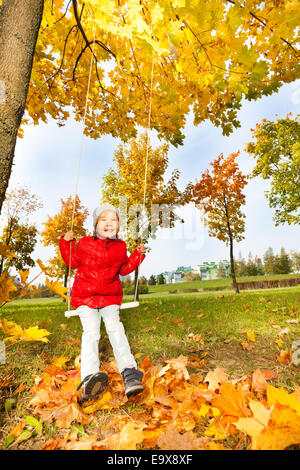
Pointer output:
x,y
208,327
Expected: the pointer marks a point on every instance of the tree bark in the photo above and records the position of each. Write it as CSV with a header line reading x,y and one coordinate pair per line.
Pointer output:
x,y
19,26
235,284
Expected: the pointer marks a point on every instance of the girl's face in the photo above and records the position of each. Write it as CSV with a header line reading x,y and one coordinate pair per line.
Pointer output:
x,y
108,224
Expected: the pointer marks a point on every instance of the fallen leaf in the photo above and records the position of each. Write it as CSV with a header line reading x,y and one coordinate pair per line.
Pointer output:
x,y
232,401
285,357
247,346
173,440
285,331
129,438
215,377
259,384
255,425
251,336
283,430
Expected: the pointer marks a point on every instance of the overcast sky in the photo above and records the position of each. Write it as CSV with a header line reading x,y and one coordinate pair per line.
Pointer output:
x,y
46,163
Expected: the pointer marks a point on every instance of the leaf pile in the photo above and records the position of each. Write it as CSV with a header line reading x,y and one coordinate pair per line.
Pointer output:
x,y
175,411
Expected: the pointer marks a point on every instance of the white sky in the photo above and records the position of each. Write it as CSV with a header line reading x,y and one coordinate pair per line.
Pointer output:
x,y
46,162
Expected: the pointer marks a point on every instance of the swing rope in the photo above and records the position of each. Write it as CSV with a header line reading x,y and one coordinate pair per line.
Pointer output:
x,y
146,164
79,161
78,167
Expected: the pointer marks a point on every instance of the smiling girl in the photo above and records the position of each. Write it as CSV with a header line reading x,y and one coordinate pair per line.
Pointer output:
x,y
97,293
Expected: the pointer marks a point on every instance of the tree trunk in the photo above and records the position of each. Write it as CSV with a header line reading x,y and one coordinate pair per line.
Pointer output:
x,y
136,291
235,284
232,269
19,26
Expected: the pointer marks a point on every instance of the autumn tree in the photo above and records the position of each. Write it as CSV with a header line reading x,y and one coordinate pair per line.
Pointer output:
x,y
219,195
208,57
295,261
18,234
152,281
276,150
22,243
269,261
57,226
126,184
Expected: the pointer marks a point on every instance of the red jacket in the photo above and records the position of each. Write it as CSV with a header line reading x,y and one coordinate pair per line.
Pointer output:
x,y
99,262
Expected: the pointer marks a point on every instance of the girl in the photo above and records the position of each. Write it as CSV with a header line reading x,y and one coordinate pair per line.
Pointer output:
x,y
97,293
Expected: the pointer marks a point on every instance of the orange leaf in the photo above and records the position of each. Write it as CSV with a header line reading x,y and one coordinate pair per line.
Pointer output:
x,y
285,357
283,430
173,440
215,377
259,383
245,345
231,401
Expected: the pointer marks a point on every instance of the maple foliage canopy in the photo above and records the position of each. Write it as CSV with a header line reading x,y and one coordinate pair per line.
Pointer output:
x,y
208,56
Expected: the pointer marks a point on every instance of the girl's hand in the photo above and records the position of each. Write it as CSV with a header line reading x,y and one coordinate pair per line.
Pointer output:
x,y
141,248
69,236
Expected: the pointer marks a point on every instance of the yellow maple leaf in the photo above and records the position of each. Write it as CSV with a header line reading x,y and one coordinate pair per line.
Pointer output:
x,y
46,270
6,287
282,431
251,336
10,329
34,333
255,425
280,395
24,276
58,288
13,332
5,252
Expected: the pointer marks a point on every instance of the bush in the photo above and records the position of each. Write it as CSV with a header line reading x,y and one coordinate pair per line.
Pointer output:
x,y
141,288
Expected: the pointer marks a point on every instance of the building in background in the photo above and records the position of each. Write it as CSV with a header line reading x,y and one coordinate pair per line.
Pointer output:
x,y
205,270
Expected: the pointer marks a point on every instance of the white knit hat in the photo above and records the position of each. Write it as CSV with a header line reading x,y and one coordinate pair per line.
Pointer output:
x,y
104,207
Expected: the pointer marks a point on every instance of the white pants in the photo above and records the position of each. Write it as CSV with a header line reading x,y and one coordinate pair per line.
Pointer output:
x,y
91,321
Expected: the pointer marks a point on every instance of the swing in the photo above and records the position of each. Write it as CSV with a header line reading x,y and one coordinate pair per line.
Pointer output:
x,y
134,304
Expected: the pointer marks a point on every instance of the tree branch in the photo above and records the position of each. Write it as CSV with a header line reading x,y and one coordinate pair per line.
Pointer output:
x,y
78,21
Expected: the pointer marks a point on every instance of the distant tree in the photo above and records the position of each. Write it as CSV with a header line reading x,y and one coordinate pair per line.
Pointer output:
x,y
283,263
295,261
190,276
127,282
251,266
161,279
152,281
22,242
269,261
143,281
259,266
240,266
220,198
221,271
18,206
57,226
277,154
